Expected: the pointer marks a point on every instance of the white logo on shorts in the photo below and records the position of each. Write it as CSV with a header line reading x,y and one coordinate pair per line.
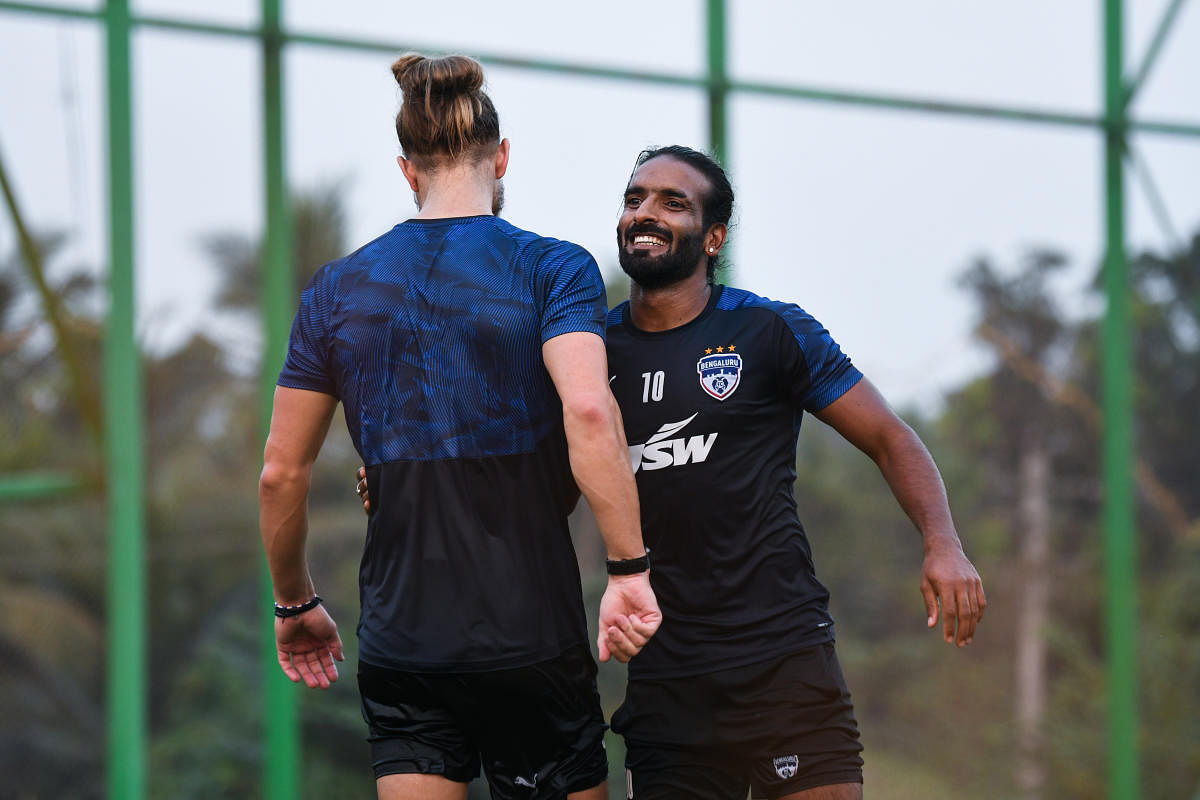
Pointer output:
x,y
785,766
520,781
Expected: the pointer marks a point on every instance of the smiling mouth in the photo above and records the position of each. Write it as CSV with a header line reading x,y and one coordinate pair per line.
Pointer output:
x,y
647,240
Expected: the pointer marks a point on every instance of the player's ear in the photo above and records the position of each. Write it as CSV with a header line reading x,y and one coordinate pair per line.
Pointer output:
x,y
411,173
714,239
502,158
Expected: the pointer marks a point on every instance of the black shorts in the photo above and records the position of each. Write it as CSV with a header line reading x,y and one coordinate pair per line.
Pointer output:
x,y
538,731
778,727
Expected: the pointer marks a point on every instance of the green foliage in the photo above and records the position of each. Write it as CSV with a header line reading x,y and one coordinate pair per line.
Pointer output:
x,y
1170,663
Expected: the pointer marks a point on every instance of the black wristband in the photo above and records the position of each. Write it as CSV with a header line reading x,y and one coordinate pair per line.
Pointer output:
x,y
283,612
628,566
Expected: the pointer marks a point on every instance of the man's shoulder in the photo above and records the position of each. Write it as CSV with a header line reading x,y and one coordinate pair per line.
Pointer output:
x,y
542,247
355,259
326,278
733,298
788,313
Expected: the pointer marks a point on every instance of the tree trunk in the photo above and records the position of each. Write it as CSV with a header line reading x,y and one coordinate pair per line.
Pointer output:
x,y
1033,516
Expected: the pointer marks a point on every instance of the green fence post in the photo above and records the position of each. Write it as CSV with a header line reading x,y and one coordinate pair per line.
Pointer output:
x,y
718,81
49,487
280,714
123,441
718,103
1119,542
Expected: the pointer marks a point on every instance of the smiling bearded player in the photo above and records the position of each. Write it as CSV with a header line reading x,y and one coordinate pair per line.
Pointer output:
x,y
742,686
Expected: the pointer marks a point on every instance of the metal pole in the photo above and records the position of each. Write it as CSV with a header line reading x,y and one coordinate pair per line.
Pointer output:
x,y
282,764
1154,198
718,104
32,486
1156,44
717,81
123,441
1119,541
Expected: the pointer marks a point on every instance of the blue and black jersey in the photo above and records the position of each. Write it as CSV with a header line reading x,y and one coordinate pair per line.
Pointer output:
x,y
431,336
712,410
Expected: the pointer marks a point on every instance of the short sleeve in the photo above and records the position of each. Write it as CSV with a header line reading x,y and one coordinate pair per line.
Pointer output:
x,y
571,292
816,371
307,363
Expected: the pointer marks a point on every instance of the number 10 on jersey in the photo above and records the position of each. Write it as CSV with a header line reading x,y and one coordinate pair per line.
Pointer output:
x,y
652,386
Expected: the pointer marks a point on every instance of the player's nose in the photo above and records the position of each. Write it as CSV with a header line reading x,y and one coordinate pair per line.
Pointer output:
x,y
645,213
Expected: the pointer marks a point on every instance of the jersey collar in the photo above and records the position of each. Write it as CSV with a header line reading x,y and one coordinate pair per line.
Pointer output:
x,y
713,297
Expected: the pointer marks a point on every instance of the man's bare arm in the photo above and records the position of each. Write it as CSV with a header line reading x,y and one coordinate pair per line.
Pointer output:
x,y
307,643
599,455
596,439
299,422
864,418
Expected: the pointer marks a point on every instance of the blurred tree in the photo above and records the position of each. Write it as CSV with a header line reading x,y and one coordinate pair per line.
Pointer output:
x,y
44,392
1021,313
51,563
1167,359
1048,370
318,220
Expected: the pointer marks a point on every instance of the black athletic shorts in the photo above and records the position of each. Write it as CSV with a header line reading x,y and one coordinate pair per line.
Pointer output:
x,y
538,731
778,727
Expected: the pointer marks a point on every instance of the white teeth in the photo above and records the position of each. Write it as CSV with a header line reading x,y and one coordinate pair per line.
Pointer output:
x,y
651,240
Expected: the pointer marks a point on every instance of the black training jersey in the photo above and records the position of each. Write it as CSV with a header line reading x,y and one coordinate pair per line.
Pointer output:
x,y
431,336
712,410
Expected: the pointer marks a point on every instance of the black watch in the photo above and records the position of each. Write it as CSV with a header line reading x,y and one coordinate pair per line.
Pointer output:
x,y
629,566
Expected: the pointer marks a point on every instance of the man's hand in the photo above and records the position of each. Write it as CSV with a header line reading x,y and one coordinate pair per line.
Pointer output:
x,y
308,644
948,578
361,488
629,616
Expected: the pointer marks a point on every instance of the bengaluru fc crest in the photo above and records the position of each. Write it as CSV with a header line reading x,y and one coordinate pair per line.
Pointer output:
x,y
720,373
785,766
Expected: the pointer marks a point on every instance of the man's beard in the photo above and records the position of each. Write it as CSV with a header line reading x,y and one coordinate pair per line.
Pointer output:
x,y
498,198
657,272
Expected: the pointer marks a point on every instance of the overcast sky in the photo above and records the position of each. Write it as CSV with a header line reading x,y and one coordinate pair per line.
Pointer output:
x,y
864,217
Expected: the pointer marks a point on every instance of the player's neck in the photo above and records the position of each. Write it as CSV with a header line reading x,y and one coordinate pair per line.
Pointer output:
x,y
671,306
457,193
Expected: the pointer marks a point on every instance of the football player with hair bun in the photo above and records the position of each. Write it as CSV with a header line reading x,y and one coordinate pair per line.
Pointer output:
x,y
468,356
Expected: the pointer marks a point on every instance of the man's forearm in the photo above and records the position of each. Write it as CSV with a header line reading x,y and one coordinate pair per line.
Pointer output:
x,y
600,463
917,485
299,422
596,439
283,522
